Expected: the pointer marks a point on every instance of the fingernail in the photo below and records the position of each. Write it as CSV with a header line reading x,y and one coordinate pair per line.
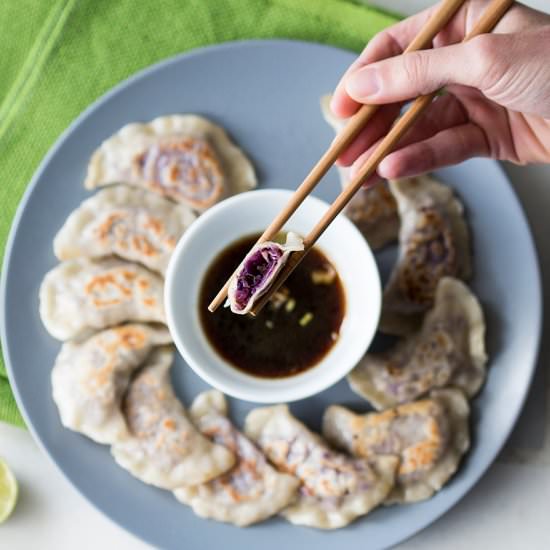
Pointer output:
x,y
382,168
363,84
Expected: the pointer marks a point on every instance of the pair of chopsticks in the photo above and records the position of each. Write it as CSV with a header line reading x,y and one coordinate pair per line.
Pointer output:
x,y
489,19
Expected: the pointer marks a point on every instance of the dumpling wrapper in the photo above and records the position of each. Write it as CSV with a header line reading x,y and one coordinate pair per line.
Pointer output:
x,y
186,158
80,295
127,222
165,449
248,493
372,209
433,243
429,437
336,488
258,271
449,349
89,378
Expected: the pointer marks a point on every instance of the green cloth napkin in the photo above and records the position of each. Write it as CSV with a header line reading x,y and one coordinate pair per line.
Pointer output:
x,y
60,55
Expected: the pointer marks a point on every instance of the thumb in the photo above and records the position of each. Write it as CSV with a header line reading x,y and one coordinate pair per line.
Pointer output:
x,y
417,73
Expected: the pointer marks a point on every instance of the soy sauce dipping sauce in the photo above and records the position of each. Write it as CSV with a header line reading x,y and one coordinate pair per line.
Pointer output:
x,y
292,333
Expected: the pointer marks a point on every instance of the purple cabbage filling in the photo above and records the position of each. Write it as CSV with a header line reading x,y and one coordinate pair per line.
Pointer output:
x,y
255,272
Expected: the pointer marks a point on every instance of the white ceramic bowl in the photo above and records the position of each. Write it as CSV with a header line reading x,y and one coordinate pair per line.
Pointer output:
x,y
250,213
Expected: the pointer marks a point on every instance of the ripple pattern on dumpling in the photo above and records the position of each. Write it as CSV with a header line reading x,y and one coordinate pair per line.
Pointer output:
x,y
186,158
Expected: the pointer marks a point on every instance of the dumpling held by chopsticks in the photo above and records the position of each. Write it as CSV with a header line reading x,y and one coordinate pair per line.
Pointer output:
x,y
257,272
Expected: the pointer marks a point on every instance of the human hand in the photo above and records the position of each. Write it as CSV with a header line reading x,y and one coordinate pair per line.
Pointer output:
x,y
497,100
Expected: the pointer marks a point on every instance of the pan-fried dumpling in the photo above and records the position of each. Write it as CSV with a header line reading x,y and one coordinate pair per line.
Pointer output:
x,y
429,437
127,222
336,489
258,271
165,449
448,350
90,377
433,243
79,295
252,490
372,209
186,158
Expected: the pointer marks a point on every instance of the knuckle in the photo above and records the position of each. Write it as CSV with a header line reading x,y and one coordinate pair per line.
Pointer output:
x,y
379,47
462,141
378,41
416,69
428,155
484,47
488,54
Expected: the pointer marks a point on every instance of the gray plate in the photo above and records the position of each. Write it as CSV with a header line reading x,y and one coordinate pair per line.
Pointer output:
x,y
266,94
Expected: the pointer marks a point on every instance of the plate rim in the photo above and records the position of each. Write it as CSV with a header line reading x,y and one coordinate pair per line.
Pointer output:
x,y
65,135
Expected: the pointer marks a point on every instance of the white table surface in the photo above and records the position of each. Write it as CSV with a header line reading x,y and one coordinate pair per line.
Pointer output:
x,y
507,510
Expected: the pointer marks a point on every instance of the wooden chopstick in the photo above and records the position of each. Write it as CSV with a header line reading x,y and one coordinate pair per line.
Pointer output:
x,y
344,138
489,19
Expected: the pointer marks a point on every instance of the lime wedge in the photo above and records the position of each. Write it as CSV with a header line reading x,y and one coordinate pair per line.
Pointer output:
x,y
8,491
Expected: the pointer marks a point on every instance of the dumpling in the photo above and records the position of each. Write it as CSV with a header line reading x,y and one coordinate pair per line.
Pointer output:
x,y
374,212
90,377
372,209
448,350
165,449
186,158
252,490
81,294
258,271
433,243
429,437
336,489
127,222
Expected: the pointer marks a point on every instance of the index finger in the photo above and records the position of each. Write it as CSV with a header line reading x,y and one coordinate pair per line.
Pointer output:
x,y
388,43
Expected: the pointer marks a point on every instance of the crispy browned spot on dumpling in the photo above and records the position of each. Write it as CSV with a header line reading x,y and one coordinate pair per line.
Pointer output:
x,y
433,243
429,437
431,254
374,212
